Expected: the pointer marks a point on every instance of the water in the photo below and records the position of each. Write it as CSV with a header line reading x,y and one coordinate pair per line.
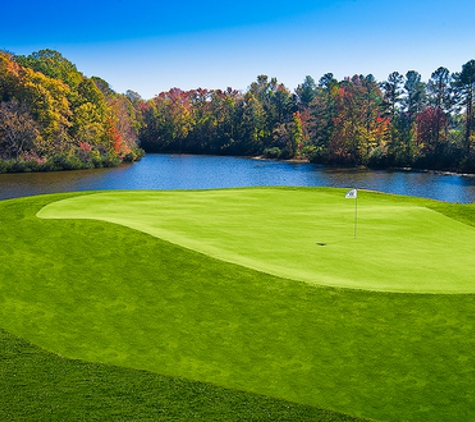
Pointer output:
x,y
163,171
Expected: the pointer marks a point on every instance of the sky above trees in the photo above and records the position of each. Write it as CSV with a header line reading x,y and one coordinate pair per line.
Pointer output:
x,y
151,46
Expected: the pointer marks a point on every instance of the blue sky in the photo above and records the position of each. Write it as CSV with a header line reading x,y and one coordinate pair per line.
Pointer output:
x,y
151,46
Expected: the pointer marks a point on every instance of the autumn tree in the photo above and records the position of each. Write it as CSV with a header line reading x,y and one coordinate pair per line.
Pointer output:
x,y
89,123
226,106
18,130
432,126
359,124
276,101
57,117
9,75
298,134
52,64
50,107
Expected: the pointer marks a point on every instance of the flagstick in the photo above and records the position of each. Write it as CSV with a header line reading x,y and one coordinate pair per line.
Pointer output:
x,y
353,193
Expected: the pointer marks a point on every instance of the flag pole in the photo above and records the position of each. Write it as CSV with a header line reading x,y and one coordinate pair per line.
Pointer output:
x,y
353,194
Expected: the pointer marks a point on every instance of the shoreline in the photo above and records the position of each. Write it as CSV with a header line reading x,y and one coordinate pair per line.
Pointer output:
x,y
428,171
298,160
400,169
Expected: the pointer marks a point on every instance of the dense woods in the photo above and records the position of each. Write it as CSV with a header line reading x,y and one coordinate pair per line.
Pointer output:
x,y
53,117
400,122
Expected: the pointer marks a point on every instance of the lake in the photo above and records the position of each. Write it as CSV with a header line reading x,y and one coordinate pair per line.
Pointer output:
x,y
167,171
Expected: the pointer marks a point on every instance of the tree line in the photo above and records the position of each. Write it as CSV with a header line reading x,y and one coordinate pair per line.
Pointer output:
x,y
400,122
52,117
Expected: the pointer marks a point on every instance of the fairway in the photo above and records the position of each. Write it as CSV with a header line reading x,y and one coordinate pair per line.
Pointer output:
x,y
301,234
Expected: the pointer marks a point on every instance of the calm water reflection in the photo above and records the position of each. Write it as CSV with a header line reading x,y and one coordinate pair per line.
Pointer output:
x,y
161,171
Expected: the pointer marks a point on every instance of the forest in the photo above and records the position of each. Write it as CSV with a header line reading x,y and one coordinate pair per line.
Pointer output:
x,y
53,117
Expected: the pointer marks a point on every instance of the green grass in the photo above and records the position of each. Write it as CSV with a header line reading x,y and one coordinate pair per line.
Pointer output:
x,y
400,246
41,386
104,293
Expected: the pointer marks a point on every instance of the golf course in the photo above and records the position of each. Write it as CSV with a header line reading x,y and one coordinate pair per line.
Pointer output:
x,y
259,304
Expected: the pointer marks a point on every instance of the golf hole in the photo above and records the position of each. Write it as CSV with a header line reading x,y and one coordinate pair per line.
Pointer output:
x,y
321,244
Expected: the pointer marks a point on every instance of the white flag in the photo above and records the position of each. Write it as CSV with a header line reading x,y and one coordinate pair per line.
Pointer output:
x,y
353,193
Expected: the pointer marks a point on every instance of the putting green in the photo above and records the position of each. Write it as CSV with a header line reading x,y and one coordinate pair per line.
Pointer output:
x,y
300,234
